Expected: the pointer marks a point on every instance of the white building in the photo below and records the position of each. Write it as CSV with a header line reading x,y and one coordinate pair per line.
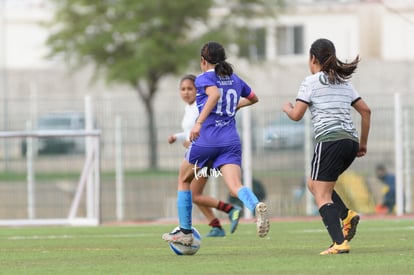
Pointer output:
x,y
21,35
374,29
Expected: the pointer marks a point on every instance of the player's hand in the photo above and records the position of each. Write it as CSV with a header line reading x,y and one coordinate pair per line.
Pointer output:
x,y
195,132
171,139
362,151
287,107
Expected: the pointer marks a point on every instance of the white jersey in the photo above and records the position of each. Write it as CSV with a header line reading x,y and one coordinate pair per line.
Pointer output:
x,y
330,107
189,118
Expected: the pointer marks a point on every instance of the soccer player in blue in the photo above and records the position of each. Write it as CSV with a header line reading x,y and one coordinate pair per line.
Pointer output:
x,y
215,140
204,202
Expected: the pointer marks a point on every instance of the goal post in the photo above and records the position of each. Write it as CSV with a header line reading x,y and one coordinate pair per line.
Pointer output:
x,y
88,186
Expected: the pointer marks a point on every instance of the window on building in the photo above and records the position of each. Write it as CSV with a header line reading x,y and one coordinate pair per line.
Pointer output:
x,y
290,40
254,44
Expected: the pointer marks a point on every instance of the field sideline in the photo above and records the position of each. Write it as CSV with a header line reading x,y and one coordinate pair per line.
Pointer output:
x,y
383,245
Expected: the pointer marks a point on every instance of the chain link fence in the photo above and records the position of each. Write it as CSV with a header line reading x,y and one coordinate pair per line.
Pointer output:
x,y
278,157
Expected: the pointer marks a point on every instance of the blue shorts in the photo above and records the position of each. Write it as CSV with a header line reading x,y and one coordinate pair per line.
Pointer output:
x,y
214,157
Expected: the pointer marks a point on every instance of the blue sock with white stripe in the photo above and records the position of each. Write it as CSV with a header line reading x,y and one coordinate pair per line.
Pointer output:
x,y
248,198
185,207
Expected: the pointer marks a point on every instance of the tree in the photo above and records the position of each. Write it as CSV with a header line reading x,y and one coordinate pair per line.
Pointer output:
x,y
135,42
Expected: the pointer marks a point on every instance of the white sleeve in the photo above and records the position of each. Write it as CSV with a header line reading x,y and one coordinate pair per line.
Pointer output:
x,y
188,121
355,94
304,93
181,136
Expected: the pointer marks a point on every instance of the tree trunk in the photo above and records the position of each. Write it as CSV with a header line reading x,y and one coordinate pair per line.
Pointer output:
x,y
146,91
152,135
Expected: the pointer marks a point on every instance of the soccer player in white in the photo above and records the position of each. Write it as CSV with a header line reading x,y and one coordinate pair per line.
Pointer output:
x,y
329,96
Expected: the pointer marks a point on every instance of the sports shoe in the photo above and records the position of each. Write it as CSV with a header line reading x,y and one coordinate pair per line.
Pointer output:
x,y
337,249
234,217
216,232
262,222
178,237
349,225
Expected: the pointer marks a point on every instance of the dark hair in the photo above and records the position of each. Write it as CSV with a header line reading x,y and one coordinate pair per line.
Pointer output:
x,y
338,71
188,77
214,53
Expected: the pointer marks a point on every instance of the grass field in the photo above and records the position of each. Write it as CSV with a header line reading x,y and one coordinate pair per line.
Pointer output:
x,y
292,247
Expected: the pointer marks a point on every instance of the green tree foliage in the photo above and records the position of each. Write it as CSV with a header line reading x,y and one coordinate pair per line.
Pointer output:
x,y
139,42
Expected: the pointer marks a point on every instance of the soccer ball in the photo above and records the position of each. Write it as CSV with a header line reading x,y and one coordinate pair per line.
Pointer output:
x,y
181,249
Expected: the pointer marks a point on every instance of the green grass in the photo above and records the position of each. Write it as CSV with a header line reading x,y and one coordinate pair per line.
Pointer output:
x,y
380,247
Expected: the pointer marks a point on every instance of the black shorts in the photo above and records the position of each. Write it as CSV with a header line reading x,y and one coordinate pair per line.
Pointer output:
x,y
331,158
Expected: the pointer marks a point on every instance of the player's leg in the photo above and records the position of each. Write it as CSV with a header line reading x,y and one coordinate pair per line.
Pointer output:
x,y
327,165
350,218
328,210
184,206
205,204
232,176
343,209
322,191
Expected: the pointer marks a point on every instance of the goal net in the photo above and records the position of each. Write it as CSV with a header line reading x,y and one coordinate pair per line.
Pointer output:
x,y
60,188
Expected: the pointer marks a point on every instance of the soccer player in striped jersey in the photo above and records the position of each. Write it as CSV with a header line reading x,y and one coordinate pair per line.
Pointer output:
x,y
205,203
215,140
329,96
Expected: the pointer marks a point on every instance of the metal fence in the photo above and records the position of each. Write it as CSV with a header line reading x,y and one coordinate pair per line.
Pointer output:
x,y
147,195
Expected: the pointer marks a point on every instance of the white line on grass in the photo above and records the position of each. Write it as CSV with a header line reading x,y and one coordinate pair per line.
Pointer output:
x,y
51,237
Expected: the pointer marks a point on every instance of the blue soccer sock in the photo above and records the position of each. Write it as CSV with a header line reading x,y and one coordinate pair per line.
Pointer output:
x,y
185,207
248,198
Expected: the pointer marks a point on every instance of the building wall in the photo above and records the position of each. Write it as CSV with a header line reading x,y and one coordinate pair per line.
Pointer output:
x,y
398,34
340,25
380,33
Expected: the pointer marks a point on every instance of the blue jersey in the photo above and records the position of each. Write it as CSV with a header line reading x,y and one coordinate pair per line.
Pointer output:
x,y
219,129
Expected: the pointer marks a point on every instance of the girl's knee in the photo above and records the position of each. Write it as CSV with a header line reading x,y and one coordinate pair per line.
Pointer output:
x,y
196,198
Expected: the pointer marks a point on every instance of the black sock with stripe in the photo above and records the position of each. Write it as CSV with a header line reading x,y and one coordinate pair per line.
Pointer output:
x,y
330,217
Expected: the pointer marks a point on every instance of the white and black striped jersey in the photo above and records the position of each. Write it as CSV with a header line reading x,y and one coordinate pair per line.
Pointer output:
x,y
330,107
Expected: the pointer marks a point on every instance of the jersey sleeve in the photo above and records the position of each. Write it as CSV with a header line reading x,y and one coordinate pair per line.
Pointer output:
x,y
203,80
183,136
354,93
304,93
246,91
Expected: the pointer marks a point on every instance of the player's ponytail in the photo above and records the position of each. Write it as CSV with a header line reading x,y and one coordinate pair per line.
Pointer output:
x,y
223,68
214,53
337,71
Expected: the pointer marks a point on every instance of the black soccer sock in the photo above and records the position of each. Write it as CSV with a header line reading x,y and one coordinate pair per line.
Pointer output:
x,y
343,210
330,217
